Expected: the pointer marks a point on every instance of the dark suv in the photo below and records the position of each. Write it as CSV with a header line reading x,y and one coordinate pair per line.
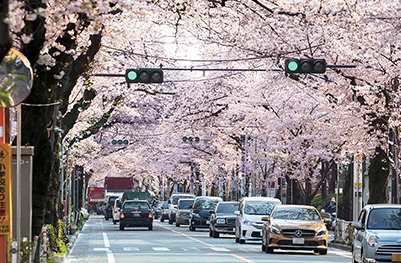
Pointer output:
x,y
200,212
137,214
222,220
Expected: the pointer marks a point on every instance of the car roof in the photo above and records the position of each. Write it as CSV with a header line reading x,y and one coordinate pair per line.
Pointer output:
x,y
228,202
373,206
296,206
182,194
208,197
186,200
259,198
136,201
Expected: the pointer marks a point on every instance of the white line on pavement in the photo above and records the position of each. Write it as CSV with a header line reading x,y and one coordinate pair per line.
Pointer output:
x,y
106,240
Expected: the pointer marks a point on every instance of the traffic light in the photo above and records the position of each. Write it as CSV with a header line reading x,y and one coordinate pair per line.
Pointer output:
x,y
119,142
191,139
144,75
294,65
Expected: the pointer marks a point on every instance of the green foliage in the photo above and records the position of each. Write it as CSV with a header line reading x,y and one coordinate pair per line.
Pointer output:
x,y
58,240
25,250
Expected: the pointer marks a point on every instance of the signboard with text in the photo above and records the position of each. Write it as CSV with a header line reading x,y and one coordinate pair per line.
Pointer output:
x,y
5,189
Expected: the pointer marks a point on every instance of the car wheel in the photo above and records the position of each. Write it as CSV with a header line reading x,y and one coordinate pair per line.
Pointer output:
x,y
269,250
216,234
114,222
121,227
150,227
191,228
177,225
161,219
241,241
170,221
322,251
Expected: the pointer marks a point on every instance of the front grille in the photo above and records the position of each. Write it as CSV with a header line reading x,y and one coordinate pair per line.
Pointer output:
x,y
231,221
388,250
288,243
305,233
258,225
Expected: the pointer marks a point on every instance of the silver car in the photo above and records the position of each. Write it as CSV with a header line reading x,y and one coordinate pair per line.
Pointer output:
x,y
377,234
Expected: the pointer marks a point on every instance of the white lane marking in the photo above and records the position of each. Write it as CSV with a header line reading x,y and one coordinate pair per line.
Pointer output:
x,y
220,249
130,249
110,257
160,249
100,249
190,249
106,240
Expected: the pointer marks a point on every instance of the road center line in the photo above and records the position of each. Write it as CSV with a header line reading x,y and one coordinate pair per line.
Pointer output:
x,y
106,240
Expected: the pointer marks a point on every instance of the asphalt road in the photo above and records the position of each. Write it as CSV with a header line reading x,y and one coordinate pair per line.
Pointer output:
x,y
101,241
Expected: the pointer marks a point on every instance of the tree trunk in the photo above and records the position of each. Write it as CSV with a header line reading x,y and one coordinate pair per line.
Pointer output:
x,y
379,171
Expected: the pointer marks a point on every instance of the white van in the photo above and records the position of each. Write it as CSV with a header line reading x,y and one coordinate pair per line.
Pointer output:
x,y
172,205
249,224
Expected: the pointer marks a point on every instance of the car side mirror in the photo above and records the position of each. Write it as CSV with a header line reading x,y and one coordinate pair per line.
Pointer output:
x,y
357,225
237,213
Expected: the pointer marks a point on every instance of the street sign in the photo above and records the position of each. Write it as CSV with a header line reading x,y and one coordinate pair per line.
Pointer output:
x,y
5,189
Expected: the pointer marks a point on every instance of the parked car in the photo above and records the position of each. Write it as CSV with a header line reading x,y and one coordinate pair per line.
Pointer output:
x,y
249,224
183,210
200,212
136,213
164,211
172,205
222,219
377,234
295,227
116,210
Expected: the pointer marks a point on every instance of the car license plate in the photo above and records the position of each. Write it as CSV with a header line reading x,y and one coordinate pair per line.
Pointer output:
x,y
298,240
396,257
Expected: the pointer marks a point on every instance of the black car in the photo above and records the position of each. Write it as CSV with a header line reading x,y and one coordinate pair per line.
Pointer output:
x,y
222,219
136,213
164,211
200,212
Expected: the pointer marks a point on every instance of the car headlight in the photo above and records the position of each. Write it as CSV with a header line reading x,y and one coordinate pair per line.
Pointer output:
x,y
221,221
321,232
373,241
275,230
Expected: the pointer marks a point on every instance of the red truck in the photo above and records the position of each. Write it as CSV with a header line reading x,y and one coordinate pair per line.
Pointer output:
x,y
95,197
113,188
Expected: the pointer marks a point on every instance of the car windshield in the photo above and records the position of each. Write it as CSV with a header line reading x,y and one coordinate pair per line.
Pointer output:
x,y
206,204
178,197
259,207
138,205
385,218
165,205
184,204
295,213
229,208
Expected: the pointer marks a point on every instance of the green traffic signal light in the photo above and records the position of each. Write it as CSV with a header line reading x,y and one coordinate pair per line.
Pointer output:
x,y
144,75
131,75
293,65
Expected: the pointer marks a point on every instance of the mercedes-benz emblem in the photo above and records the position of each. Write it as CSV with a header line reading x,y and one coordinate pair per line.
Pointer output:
x,y
298,233
399,240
